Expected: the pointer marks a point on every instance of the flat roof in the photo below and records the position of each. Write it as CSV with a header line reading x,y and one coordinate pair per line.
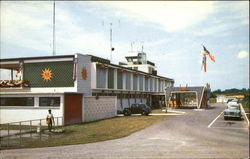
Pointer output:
x,y
35,58
93,59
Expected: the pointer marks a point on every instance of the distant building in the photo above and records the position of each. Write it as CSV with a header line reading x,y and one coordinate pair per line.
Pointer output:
x,y
53,82
224,98
221,99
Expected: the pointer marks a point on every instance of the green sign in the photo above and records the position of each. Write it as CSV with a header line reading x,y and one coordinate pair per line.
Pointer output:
x,y
49,74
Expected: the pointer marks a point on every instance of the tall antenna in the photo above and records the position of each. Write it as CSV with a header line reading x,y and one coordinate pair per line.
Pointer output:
x,y
54,37
111,47
142,46
131,46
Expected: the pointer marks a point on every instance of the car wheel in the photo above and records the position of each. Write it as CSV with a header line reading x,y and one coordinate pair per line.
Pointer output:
x,y
144,113
127,113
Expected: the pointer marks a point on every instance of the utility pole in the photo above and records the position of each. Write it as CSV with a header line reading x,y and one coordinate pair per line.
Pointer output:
x,y
54,37
111,48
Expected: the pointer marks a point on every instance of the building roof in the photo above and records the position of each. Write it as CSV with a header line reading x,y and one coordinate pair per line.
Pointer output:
x,y
93,59
193,88
36,58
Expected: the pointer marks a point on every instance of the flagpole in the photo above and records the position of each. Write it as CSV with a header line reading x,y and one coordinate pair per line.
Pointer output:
x,y
110,42
203,73
54,37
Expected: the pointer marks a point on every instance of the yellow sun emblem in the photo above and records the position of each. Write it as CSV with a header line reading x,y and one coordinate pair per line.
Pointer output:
x,y
46,74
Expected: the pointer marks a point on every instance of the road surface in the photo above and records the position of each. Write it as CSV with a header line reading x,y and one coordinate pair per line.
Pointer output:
x,y
195,134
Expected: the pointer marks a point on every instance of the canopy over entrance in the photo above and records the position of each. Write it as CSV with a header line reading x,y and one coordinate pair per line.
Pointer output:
x,y
196,96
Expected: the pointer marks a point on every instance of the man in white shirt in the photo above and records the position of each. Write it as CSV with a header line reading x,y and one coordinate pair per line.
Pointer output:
x,y
49,120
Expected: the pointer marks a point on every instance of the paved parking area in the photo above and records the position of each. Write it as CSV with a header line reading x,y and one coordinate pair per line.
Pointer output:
x,y
183,136
220,123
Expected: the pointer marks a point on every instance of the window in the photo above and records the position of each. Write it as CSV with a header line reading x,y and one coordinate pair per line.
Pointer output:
x,y
141,82
100,77
146,83
159,85
155,84
17,101
151,84
119,80
135,82
111,78
128,81
49,101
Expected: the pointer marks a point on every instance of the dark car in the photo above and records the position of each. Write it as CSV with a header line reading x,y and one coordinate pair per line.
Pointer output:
x,y
140,108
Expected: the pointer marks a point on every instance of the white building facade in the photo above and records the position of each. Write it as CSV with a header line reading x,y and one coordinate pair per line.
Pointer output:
x,y
59,82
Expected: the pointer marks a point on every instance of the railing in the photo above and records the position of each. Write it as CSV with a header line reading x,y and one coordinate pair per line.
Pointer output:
x,y
16,134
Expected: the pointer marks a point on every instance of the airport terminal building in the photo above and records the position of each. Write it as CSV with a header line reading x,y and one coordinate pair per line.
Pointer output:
x,y
57,82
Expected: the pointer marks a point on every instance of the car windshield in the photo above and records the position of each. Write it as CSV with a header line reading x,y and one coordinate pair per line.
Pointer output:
x,y
142,105
235,108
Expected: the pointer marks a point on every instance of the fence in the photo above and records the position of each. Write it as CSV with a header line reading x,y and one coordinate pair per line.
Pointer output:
x,y
17,134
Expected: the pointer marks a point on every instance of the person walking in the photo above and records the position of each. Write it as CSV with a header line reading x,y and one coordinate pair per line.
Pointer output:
x,y
50,120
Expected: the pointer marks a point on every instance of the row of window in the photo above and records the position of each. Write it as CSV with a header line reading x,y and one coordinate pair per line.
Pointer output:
x,y
29,101
149,82
122,95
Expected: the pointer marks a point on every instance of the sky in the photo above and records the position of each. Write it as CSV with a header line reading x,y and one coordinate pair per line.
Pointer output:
x,y
171,32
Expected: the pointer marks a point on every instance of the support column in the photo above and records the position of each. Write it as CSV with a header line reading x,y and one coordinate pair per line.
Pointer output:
x,y
11,75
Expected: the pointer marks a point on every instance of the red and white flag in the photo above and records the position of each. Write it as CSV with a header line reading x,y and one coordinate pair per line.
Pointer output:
x,y
204,58
206,52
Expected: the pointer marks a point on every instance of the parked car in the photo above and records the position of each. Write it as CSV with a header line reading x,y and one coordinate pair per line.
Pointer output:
x,y
139,108
232,111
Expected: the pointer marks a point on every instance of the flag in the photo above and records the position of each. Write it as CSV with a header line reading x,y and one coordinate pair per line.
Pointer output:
x,y
206,52
20,67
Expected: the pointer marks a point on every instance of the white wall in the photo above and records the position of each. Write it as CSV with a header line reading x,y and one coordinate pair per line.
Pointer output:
x,y
84,86
8,115
21,113
221,99
125,103
37,90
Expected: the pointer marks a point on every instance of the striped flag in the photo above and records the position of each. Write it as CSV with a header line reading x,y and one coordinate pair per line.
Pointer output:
x,y
20,67
206,52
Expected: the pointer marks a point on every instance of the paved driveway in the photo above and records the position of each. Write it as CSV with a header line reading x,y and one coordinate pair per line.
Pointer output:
x,y
185,136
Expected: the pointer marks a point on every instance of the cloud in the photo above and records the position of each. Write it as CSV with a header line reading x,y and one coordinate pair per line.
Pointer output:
x,y
29,25
23,25
170,16
243,54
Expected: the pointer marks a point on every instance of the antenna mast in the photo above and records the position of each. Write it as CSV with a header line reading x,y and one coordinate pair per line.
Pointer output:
x,y
54,37
111,48
142,46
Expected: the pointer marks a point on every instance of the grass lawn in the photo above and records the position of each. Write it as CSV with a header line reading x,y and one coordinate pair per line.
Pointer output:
x,y
98,131
246,108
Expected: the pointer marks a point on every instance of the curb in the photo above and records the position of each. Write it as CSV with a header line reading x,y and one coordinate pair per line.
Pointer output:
x,y
243,110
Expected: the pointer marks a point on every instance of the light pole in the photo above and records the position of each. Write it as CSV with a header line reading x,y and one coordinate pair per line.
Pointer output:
x,y
167,95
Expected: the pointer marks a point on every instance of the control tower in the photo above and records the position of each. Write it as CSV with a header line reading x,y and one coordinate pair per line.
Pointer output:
x,y
137,60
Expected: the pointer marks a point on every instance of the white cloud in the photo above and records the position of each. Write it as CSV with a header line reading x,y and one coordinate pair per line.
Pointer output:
x,y
243,54
29,25
243,9
221,29
23,25
171,16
